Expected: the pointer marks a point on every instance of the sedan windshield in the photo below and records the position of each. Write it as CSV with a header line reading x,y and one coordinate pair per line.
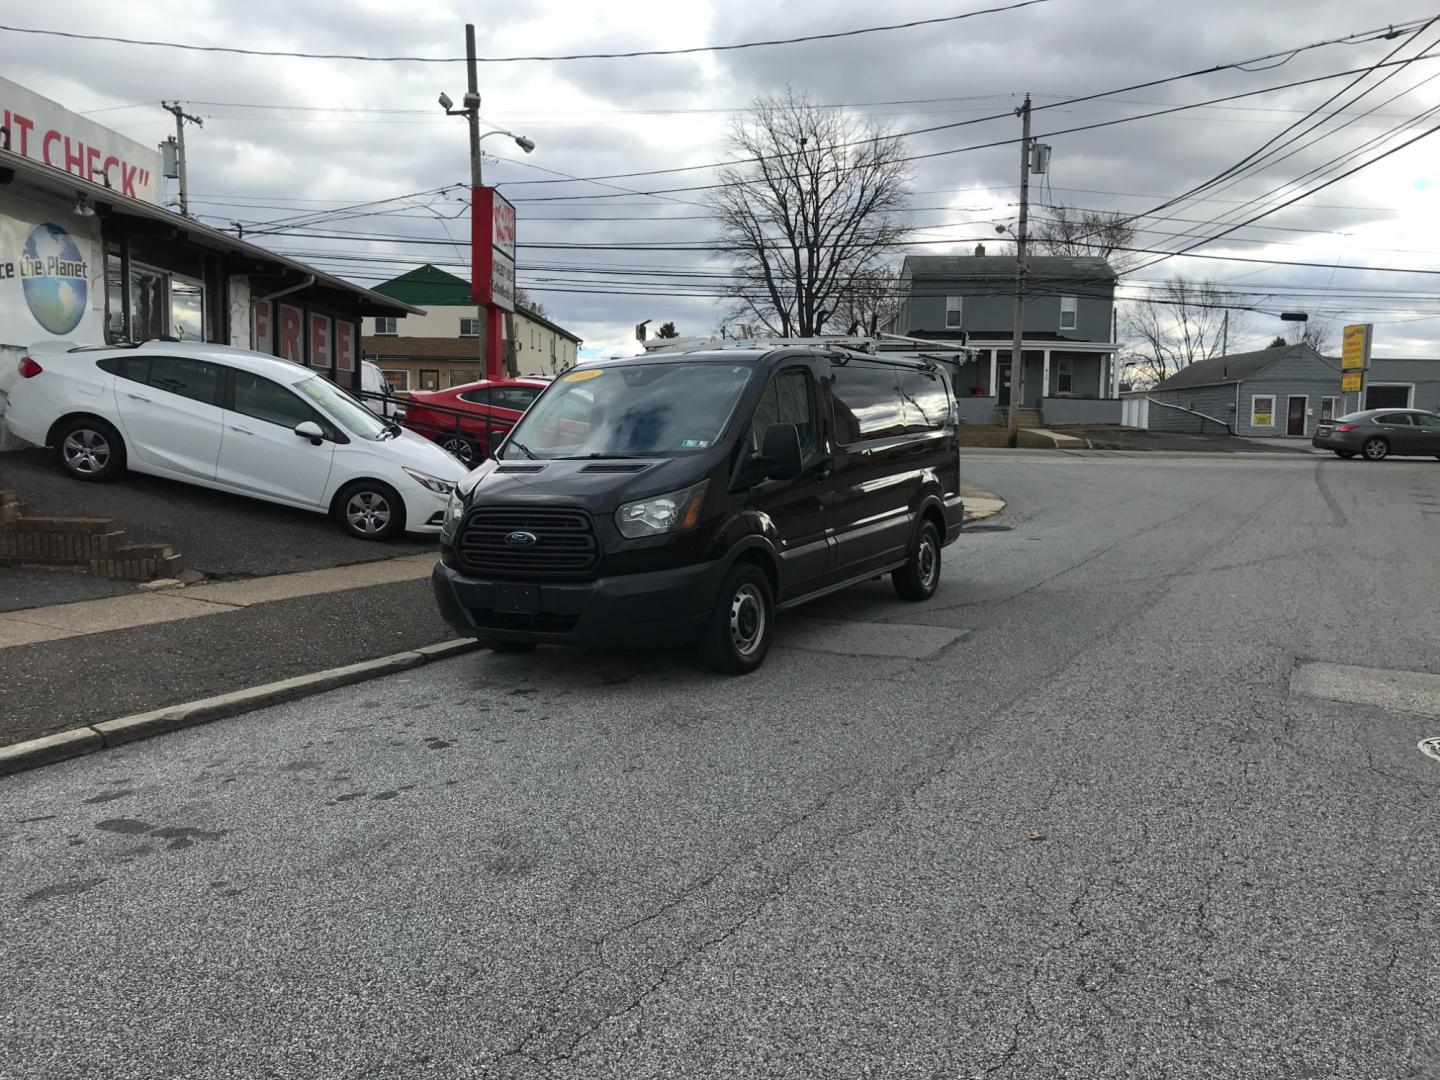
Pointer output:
x,y
631,410
341,408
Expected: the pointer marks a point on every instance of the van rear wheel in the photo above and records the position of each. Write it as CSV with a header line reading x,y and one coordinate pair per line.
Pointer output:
x,y
742,624
920,577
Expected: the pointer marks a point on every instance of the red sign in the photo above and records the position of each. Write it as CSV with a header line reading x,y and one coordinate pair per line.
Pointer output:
x,y
291,322
262,326
492,240
345,344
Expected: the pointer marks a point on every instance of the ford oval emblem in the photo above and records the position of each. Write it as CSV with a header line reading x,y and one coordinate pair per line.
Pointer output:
x,y
521,539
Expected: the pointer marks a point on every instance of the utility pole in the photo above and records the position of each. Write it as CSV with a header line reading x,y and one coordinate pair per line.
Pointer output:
x,y
181,116
1016,355
1225,334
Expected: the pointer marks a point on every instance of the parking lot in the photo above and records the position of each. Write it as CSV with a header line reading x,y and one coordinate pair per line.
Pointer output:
x,y
1089,812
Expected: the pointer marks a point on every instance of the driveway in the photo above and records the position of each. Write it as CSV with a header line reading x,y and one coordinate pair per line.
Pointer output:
x,y
219,535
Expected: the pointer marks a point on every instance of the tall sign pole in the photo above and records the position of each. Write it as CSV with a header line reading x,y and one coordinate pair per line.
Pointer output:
x,y
471,108
1016,355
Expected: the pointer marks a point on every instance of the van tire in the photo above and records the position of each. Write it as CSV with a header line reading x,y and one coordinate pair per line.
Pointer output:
x,y
743,623
920,577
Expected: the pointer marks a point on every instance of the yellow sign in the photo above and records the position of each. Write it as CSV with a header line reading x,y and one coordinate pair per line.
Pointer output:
x,y
582,376
1350,382
1262,412
1355,354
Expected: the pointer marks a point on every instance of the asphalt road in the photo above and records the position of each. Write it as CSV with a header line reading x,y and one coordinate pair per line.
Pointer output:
x,y
1080,827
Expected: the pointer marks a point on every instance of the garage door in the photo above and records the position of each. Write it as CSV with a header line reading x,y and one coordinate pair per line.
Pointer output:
x,y
1387,397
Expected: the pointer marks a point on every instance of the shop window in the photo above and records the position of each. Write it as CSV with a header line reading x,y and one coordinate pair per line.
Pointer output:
x,y
429,379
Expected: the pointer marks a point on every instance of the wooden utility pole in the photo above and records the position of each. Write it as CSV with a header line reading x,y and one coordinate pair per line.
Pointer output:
x,y
181,116
1017,369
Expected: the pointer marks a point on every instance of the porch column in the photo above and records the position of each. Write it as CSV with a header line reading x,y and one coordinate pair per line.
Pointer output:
x,y
994,388
1045,381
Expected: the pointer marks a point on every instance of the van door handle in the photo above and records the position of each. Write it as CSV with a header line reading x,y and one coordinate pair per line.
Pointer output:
x,y
138,397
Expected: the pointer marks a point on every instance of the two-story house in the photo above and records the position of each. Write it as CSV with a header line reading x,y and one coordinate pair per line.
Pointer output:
x,y
1068,347
441,347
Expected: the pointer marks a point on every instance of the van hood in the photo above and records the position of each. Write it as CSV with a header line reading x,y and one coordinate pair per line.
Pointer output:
x,y
599,484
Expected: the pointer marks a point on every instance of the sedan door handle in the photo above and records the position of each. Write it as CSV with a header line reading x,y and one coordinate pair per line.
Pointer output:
x,y
242,430
138,397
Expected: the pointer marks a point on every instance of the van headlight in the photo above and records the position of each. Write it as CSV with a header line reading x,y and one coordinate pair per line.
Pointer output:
x,y
430,483
454,511
659,514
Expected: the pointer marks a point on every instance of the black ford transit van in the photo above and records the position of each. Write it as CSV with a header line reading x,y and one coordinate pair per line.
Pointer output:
x,y
689,497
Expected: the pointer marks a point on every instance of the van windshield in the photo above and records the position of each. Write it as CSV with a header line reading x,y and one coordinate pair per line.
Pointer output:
x,y
631,410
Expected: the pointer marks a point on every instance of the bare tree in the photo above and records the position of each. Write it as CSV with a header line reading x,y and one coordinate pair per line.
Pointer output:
x,y
1317,331
1063,230
868,300
1179,323
809,206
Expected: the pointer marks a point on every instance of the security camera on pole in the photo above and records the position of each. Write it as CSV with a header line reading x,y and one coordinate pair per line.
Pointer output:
x,y
492,226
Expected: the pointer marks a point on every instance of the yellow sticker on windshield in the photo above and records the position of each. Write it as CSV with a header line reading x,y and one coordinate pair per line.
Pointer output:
x,y
581,376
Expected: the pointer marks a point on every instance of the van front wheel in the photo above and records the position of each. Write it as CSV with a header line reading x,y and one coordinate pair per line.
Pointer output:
x,y
742,624
920,577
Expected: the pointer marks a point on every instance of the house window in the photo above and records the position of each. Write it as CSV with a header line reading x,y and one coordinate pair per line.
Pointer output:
x,y
1327,408
1064,375
954,312
1262,410
385,324
468,327
1069,312
396,378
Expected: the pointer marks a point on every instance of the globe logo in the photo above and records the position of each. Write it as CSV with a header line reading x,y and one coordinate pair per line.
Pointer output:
x,y
54,278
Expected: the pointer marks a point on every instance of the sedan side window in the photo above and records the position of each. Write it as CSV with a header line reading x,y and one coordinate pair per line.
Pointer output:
x,y
1391,419
477,397
193,379
786,400
134,368
1425,420
269,401
513,397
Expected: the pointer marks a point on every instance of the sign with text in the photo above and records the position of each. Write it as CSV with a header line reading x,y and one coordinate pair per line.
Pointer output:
x,y
492,239
43,131
319,340
1355,352
291,327
51,286
1350,382
345,345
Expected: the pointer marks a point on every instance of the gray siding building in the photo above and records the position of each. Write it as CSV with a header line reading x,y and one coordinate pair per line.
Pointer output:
x,y
1405,384
1281,391
1068,349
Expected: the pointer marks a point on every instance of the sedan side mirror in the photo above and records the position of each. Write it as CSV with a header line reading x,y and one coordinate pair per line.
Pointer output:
x,y
780,456
309,429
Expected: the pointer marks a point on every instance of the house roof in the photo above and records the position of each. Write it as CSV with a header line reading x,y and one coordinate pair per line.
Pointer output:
x,y
1003,266
429,286
1237,367
326,289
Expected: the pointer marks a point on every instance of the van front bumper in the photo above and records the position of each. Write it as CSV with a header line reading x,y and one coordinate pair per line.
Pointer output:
x,y
629,611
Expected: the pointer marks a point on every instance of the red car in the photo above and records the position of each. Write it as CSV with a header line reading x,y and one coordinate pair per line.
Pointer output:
x,y
471,419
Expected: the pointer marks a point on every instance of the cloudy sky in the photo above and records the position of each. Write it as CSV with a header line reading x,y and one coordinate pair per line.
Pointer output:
x,y
289,138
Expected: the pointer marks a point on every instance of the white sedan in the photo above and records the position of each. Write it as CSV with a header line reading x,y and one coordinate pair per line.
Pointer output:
x,y
235,421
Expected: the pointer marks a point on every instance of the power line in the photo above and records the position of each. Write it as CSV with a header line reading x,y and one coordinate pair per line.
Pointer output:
x,y
632,54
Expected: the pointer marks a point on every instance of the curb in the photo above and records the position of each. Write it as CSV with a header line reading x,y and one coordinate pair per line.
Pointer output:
x,y
987,504
110,733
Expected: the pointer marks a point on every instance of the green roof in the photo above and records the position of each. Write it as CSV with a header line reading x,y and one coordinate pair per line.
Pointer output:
x,y
427,286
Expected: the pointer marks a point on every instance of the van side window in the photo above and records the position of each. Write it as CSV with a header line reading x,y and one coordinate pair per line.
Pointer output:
x,y
927,405
867,402
785,401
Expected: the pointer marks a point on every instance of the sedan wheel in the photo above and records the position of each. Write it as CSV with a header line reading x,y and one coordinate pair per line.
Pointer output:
x,y
463,449
86,451
1376,449
370,510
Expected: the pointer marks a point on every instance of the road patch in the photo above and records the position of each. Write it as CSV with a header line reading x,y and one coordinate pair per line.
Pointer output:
x,y
1381,688
908,642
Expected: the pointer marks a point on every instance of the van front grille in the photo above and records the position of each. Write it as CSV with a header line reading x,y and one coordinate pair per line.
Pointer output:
x,y
564,543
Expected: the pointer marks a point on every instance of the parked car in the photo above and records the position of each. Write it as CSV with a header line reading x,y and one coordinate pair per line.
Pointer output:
x,y
1379,433
233,420
675,498
470,420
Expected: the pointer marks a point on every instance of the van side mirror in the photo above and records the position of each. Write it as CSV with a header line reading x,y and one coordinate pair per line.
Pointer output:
x,y
308,429
780,456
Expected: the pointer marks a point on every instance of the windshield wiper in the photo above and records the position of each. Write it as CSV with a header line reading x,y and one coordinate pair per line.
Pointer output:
x,y
604,457
522,448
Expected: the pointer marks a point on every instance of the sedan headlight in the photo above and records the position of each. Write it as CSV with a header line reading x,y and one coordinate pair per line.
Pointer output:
x,y
431,483
674,512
